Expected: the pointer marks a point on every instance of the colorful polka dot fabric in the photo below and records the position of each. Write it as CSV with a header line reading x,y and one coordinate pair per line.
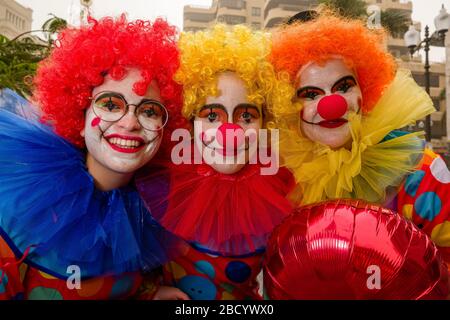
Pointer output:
x,y
205,276
424,199
20,281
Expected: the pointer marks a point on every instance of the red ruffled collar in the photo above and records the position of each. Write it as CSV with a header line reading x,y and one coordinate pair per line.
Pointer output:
x,y
229,214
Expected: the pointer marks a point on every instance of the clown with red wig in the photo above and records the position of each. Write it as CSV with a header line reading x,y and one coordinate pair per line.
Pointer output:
x,y
72,225
340,137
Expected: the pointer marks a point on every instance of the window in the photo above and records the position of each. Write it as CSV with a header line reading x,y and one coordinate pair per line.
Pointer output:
x,y
200,17
399,51
256,25
229,19
379,1
233,4
256,12
420,79
193,29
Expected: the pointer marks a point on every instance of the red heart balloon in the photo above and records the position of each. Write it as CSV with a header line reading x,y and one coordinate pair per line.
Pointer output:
x,y
349,249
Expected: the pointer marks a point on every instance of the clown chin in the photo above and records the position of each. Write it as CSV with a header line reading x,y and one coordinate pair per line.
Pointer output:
x,y
128,162
225,162
227,168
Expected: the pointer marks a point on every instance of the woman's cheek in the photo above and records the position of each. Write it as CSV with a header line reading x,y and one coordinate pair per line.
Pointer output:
x,y
309,111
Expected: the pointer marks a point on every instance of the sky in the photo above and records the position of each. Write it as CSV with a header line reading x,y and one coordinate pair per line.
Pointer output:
x,y
423,11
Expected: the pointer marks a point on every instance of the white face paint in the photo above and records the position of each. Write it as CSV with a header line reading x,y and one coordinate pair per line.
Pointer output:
x,y
122,146
230,111
328,93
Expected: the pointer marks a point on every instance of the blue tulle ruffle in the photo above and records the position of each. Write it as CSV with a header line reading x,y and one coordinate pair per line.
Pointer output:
x,y
48,202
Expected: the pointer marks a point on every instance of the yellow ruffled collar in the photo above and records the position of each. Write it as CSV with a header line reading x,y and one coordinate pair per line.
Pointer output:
x,y
372,164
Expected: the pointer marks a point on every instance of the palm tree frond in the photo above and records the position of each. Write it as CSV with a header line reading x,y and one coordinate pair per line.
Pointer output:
x,y
395,22
354,9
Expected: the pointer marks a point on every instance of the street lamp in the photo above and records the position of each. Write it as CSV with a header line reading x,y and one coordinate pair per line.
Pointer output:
x,y
414,43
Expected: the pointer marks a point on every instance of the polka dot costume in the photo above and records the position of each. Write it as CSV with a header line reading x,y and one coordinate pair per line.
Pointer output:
x,y
424,199
21,281
205,276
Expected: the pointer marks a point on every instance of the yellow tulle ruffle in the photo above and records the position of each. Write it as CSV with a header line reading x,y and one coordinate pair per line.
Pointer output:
x,y
372,164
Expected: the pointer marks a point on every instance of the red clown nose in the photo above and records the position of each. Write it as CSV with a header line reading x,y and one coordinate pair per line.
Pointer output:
x,y
332,107
230,136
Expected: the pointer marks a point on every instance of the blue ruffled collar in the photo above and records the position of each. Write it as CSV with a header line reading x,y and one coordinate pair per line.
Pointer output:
x,y
48,200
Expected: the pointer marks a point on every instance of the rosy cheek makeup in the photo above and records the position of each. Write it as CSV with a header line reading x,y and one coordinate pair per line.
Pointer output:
x,y
95,122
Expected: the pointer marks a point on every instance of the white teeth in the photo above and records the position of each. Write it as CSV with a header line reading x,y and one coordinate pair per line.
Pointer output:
x,y
125,143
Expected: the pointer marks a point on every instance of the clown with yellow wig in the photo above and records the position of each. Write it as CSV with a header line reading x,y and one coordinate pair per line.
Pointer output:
x,y
340,135
223,198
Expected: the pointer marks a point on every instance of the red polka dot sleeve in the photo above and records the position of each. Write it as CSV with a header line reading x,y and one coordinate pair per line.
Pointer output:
x,y
424,198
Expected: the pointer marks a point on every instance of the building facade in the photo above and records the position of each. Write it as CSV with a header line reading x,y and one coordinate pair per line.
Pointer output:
x,y
14,18
225,11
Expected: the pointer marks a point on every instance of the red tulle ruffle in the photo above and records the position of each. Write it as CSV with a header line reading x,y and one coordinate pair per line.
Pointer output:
x,y
229,214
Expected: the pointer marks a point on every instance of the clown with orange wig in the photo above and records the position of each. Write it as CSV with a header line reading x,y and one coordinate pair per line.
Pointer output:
x,y
340,135
72,225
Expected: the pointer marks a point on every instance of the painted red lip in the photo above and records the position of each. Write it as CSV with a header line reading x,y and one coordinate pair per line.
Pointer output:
x,y
224,151
330,124
125,150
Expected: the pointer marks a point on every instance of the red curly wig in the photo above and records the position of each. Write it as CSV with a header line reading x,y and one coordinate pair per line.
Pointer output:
x,y
327,35
82,57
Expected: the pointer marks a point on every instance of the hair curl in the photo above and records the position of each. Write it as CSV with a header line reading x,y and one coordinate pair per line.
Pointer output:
x,y
82,57
317,40
206,54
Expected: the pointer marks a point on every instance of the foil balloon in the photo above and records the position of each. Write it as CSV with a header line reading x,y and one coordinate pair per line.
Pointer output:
x,y
349,249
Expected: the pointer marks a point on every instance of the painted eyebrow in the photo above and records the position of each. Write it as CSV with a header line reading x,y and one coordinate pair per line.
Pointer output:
x,y
303,89
343,79
247,105
212,106
110,95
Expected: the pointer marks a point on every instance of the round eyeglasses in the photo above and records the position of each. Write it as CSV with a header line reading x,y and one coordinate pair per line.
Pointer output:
x,y
112,106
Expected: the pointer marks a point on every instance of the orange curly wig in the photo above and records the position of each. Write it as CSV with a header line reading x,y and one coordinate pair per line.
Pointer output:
x,y
317,40
82,57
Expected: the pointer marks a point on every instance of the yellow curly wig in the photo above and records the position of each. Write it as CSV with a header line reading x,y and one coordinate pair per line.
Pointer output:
x,y
206,54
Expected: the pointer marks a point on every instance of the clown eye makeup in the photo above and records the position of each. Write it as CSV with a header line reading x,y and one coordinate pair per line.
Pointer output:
x,y
111,106
309,93
214,113
246,114
151,109
344,84
110,102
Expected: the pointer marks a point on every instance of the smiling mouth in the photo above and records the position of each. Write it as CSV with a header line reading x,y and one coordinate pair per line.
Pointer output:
x,y
125,144
336,123
225,152
330,124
